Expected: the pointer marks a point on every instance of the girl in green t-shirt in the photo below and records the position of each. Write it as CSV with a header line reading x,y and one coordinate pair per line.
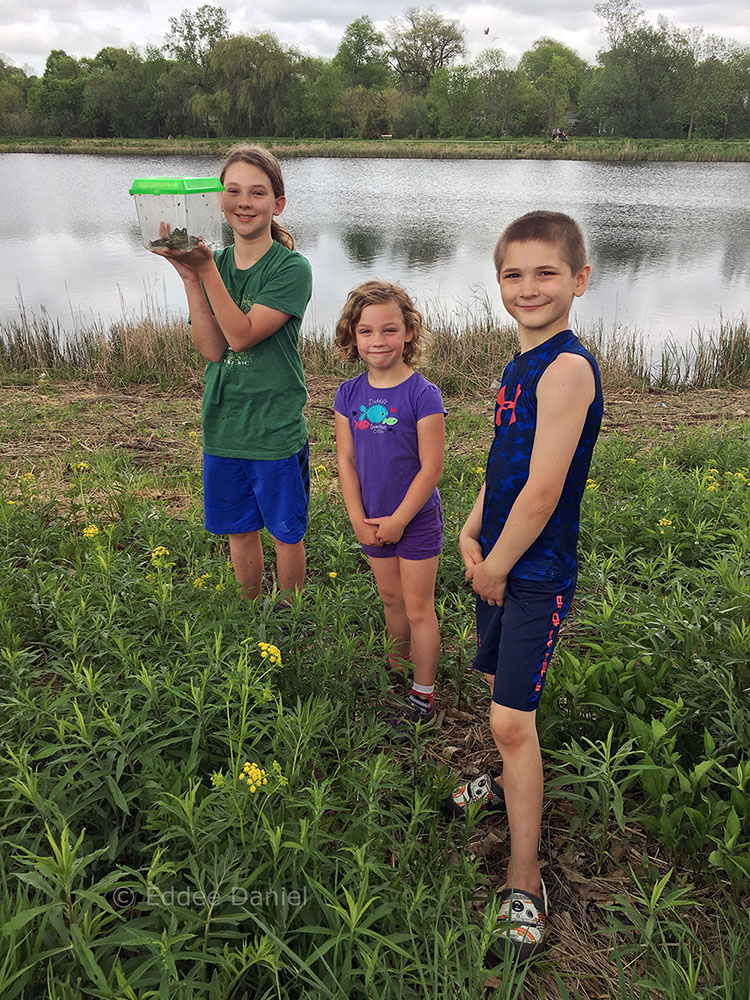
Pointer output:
x,y
246,306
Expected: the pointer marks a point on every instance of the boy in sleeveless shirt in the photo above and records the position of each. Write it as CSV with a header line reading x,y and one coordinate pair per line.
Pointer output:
x,y
519,543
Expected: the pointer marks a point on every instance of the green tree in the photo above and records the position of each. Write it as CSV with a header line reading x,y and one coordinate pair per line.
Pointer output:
x,y
192,37
420,43
556,74
737,120
361,55
499,97
454,94
116,98
329,95
705,82
191,40
620,17
255,74
15,118
175,89
635,88
367,110
57,99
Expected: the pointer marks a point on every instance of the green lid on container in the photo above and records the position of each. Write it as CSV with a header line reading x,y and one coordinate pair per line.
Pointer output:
x,y
175,185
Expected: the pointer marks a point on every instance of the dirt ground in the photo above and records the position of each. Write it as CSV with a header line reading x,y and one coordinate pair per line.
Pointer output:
x,y
39,421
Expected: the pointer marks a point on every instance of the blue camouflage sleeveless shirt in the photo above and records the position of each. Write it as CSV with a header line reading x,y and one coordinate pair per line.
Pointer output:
x,y
553,556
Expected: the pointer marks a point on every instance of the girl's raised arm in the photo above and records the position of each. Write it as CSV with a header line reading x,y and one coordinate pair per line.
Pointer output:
x,y
227,324
240,330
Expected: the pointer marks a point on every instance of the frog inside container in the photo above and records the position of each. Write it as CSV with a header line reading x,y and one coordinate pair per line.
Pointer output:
x,y
176,212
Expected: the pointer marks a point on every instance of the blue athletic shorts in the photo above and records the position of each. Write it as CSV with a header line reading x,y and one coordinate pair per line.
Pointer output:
x,y
515,641
247,494
422,538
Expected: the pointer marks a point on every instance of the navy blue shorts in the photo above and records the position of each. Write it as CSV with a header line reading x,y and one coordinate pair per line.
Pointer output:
x,y
422,538
515,641
247,494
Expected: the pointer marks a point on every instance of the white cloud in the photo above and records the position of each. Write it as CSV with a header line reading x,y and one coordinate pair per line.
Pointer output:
x,y
83,27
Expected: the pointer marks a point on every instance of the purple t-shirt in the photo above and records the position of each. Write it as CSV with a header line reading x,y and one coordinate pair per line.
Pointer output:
x,y
383,423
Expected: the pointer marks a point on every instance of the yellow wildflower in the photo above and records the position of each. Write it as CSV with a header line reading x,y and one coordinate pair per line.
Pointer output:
x,y
591,484
198,583
158,554
712,487
217,779
479,469
333,574
193,434
631,460
220,588
254,775
320,468
270,652
664,522
28,477
90,531
83,466
283,782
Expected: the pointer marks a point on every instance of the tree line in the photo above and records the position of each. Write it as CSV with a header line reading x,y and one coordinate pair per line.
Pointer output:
x,y
651,80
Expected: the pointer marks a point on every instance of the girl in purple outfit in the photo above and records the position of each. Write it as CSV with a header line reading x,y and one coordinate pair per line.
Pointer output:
x,y
390,440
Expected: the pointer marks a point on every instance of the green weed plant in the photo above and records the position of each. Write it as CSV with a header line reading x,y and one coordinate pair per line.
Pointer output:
x,y
199,800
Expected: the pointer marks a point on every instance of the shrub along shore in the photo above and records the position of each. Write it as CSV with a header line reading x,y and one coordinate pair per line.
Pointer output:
x,y
584,148
155,349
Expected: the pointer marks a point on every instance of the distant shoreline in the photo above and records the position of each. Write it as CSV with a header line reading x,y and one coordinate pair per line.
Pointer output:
x,y
593,149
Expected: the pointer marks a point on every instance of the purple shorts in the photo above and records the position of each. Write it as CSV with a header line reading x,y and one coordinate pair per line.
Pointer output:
x,y
422,538
515,642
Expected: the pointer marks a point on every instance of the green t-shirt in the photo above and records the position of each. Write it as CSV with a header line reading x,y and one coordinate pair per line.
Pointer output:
x,y
253,399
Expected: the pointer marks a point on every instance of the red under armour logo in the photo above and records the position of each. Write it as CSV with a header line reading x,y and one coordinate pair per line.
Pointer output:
x,y
505,404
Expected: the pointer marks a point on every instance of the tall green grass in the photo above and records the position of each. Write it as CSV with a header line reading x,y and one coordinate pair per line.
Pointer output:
x,y
143,854
459,352
583,148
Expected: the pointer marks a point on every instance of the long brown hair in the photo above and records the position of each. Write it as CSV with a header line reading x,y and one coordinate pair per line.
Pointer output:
x,y
263,159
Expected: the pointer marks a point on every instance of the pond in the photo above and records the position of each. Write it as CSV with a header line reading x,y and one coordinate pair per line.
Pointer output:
x,y
669,242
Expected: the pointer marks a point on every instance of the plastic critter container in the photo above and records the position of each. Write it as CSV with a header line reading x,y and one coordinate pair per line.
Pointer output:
x,y
176,212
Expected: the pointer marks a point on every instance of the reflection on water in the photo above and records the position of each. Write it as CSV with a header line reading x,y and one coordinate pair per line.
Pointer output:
x,y
364,244
669,242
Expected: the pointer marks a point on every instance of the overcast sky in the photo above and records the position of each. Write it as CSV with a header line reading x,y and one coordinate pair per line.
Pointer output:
x,y
29,31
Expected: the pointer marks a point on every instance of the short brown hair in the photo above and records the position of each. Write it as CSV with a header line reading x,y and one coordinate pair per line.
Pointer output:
x,y
373,293
263,159
554,228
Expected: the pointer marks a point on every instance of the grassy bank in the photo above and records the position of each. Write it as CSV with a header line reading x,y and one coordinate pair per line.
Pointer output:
x,y
137,860
587,148
459,357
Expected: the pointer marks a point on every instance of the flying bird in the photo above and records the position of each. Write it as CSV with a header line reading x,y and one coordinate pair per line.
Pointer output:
x,y
486,31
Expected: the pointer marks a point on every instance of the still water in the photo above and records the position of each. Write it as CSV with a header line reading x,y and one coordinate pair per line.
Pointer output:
x,y
669,242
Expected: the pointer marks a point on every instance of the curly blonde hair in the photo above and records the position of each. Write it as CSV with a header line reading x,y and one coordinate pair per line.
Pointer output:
x,y
374,293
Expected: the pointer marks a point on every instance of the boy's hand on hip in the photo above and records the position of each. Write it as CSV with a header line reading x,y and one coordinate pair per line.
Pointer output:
x,y
489,584
388,529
